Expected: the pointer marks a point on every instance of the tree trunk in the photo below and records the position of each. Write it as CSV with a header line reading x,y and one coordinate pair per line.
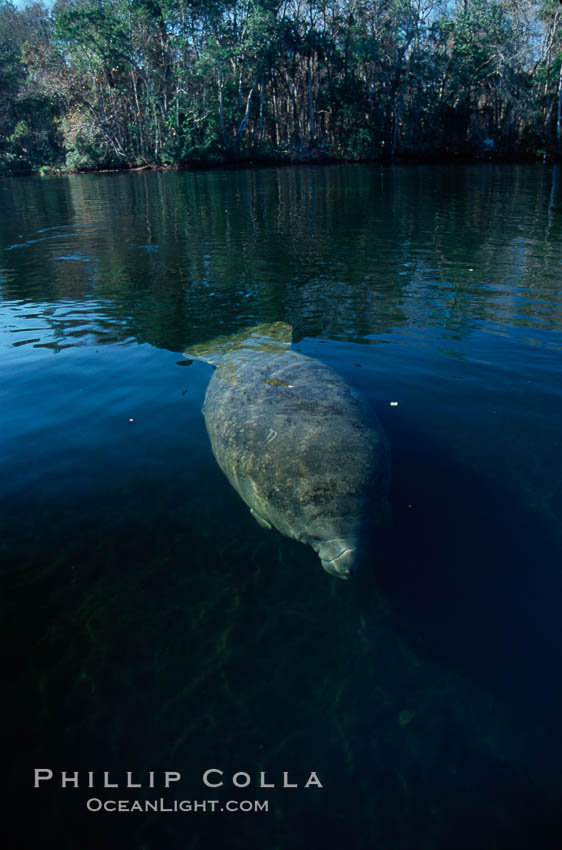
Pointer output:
x,y
244,121
559,114
221,114
262,90
310,104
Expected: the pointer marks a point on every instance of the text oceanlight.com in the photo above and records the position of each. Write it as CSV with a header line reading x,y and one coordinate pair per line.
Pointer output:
x,y
94,804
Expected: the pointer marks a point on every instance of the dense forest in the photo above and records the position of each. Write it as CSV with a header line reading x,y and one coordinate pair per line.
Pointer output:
x,y
91,84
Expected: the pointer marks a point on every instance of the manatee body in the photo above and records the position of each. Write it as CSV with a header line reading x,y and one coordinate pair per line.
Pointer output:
x,y
297,444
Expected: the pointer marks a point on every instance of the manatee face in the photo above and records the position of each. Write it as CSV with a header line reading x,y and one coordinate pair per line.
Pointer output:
x,y
297,444
337,556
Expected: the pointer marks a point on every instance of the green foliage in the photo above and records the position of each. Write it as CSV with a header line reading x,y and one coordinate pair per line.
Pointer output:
x,y
21,132
111,83
28,136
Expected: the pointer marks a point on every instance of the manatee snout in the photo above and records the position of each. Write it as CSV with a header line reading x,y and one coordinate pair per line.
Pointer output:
x,y
338,556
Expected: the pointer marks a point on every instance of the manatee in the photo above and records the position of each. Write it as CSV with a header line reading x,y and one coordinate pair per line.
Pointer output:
x,y
296,442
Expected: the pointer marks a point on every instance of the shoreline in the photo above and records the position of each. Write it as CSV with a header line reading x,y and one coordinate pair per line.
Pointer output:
x,y
306,160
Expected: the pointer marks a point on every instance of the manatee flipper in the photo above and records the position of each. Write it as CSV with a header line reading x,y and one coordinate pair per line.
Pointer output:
x,y
260,520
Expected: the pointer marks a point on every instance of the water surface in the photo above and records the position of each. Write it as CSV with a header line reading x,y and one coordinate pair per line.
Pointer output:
x,y
150,624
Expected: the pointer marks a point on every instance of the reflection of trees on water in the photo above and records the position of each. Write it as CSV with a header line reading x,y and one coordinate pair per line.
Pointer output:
x,y
339,252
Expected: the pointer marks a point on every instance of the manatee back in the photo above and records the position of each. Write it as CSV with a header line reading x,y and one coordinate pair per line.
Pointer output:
x,y
297,443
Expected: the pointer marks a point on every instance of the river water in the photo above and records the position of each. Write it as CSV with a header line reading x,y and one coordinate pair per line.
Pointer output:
x,y
150,624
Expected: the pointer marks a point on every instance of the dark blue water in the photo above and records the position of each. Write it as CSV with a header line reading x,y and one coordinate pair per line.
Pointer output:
x,y
150,624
